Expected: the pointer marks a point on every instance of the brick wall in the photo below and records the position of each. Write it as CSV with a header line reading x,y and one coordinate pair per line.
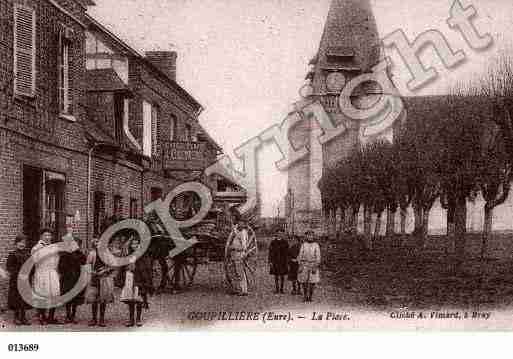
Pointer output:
x,y
32,132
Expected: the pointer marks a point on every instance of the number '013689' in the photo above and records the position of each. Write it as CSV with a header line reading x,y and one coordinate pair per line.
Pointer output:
x,y
23,347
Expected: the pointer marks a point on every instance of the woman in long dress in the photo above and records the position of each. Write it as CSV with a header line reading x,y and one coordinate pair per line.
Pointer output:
x,y
15,262
309,261
46,276
236,252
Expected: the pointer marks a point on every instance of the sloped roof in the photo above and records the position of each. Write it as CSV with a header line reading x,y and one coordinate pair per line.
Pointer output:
x,y
351,33
104,80
95,133
94,24
423,108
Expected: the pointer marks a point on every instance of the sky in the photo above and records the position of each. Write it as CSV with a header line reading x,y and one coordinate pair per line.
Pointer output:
x,y
245,60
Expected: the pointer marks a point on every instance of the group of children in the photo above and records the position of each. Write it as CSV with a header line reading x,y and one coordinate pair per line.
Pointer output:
x,y
299,261
56,274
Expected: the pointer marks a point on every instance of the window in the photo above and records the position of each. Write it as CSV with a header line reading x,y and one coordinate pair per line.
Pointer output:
x,y
100,56
119,114
98,212
133,208
24,50
154,129
172,127
118,207
150,129
65,37
188,132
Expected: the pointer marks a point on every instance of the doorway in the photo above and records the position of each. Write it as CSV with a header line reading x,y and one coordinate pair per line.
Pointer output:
x,y
43,203
32,182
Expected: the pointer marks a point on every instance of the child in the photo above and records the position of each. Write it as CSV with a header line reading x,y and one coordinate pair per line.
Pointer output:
x,y
70,266
100,291
46,276
15,262
278,260
294,265
309,261
138,284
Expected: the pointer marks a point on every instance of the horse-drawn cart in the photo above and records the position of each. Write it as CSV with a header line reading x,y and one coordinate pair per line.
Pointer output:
x,y
212,237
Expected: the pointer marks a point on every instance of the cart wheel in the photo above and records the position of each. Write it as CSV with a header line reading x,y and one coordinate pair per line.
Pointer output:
x,y
250,264
182,269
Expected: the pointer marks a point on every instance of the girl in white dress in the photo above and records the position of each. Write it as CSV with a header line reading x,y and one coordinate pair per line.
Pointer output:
x,y
309,261
46,277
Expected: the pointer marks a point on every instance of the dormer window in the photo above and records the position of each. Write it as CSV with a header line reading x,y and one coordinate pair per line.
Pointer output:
x,y
339,53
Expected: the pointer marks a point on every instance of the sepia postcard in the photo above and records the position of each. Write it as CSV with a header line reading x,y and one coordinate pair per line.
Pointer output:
x,y
255,165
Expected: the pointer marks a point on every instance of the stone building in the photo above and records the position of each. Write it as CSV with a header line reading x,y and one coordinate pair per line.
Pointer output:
x,y
348,48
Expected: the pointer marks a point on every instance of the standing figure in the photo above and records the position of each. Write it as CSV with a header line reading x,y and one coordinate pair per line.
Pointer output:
x,y
294,265
70,266
236,251
100,291
278,260
138,284
46,277
15,261
309,261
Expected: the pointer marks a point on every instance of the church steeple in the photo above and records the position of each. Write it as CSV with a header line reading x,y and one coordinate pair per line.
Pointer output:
x,y
350,30
349,44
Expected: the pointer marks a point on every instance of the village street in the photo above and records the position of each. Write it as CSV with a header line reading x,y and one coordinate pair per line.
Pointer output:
x,y
343,305
208,294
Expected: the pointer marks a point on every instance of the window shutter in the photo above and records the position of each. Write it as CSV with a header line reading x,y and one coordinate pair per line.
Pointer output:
x,y
154,128
24,50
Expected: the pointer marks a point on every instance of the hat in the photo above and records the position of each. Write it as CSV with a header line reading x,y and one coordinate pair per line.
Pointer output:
x,y
45,230
20,238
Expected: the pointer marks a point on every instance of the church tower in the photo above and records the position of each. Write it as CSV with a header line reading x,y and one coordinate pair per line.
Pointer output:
x,y
348,48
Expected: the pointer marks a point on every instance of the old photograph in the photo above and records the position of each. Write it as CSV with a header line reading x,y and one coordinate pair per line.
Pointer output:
x,y
255,165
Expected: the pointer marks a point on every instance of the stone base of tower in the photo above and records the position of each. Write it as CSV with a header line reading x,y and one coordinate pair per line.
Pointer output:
x,y
302,221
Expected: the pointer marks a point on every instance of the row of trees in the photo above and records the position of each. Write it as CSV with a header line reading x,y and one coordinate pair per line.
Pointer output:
x,y
449,148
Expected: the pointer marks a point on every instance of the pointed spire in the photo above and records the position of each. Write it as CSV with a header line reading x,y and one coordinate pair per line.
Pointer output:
x,y
350,39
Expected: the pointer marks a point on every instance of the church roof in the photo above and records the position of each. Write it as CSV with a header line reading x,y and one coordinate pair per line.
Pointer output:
x,y
350,39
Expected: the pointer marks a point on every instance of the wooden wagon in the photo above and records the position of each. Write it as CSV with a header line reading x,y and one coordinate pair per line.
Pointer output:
x,y
212,235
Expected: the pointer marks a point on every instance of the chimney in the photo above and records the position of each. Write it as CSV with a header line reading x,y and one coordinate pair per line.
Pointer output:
x,y
165,61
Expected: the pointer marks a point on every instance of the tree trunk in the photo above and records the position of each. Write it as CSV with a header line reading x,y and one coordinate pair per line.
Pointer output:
x,y
404,213
377,229
334,223
354,221
423,231
425,222
487,229
451,211
367,227
460,228
391,222
418,219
